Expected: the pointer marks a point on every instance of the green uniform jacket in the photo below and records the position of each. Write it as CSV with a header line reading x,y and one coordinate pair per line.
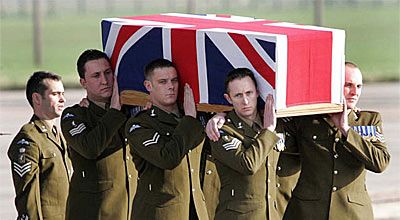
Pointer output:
x,y
333,168
211,183
104,179
167,156
40,170
287,171
246,165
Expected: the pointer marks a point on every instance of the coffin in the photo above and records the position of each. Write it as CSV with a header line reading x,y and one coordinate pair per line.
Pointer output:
x,y
302,66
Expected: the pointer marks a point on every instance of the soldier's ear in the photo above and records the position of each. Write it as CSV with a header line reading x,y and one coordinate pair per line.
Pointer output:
x,y
228,98
147,85
82,82
36,98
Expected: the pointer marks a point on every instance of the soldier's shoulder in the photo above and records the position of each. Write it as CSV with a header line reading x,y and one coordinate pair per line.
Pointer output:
x,y
367,113
73,111
24,139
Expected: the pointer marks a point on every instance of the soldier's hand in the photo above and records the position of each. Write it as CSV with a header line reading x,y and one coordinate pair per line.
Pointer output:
x,y
213,126
269,113
84,103
340,120
115,102
188,102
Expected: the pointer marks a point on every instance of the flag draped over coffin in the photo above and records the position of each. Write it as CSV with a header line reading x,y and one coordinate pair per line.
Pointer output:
x,y
300,65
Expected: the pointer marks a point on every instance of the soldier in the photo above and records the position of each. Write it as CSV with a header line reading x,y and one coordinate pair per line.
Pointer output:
x,y
104,181
246,153
39,161
167,145
335,152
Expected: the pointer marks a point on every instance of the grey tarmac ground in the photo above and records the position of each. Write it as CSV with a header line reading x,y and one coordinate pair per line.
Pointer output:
x,y
384,188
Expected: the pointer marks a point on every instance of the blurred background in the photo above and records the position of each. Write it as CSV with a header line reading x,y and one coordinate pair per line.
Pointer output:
x,y
50,34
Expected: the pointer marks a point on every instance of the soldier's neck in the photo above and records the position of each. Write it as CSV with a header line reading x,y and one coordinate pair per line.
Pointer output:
x,y
169,109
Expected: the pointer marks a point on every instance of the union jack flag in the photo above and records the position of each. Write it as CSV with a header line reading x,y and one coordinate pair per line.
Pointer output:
x,y
299,64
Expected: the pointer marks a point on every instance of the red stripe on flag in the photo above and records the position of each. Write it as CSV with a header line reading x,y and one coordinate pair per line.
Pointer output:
x,y
309,68
123,35
183,51
255,59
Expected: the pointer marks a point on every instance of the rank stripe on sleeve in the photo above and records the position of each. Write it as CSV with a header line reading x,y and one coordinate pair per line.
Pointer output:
x,y
81,127
21,170
153,140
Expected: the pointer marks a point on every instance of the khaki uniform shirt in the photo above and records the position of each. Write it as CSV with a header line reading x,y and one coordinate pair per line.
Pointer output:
x,y
167,156
104,181
246,163
332,179
40,170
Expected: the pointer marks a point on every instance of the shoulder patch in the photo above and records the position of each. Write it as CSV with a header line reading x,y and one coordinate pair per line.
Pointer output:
x,y
134,127
280,146
153,140
369,132
23,142
232,144
68,115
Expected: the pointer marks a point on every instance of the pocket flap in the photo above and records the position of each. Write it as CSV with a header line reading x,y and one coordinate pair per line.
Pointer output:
x,y
358,198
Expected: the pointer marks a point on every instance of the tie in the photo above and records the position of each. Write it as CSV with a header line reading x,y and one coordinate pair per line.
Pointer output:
x,y
55,132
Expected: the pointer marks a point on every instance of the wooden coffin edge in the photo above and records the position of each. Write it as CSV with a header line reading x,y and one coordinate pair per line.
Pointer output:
x,y
132,97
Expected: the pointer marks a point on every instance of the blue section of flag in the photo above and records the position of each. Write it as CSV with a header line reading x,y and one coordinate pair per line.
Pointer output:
x,y
105,27
269,47
217,69
133,62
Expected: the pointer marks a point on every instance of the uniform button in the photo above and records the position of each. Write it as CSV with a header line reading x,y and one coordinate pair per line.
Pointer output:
x,y
269,164
269,180
126,139
279,168
278,185
129,176
314,137
193,189
209,155
192,170
335,172
190,151
335,156
54,154
127,157
287,134
209,172
167,134
337,140
258,132
334,188
269,196
229,120
32,122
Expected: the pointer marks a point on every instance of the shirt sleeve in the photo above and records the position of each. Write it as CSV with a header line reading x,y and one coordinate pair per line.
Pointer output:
x,y
242,154
24,157
372,151
162,149
90,139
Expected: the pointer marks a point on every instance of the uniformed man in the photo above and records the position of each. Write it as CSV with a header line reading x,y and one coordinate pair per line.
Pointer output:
x,y
39,161
167,144
246,153
335,152
104,181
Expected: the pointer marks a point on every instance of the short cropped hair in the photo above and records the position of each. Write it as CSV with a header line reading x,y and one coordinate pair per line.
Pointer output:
x,y
238,73
36,84
350,64
86,56
158,63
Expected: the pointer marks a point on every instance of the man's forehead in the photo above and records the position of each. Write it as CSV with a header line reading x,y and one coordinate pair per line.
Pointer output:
x,y
54,85
164,73
97,65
